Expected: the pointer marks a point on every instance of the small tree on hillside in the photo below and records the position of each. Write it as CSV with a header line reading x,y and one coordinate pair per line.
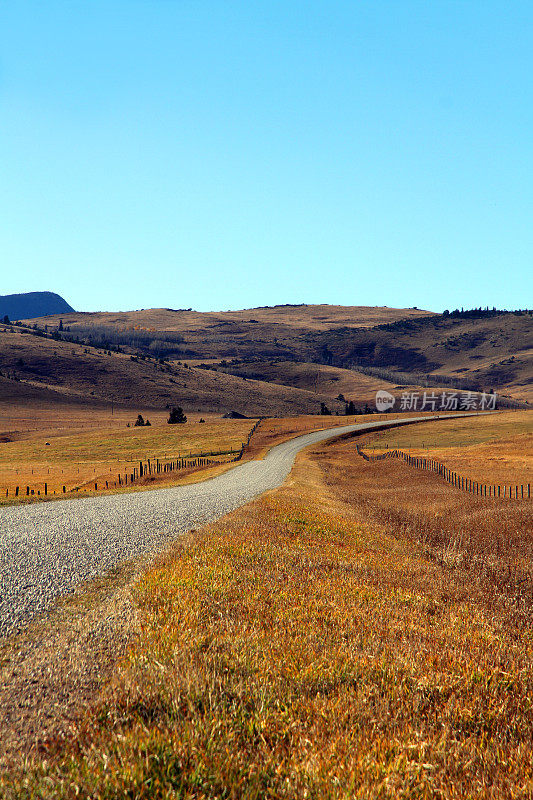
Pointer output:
x,y
324,410
176,416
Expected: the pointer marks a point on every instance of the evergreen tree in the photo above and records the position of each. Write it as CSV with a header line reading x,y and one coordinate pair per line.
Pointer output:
x,y
176,416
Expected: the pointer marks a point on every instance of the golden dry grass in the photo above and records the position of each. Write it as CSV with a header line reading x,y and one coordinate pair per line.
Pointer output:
x,y
84,446
279,429
21,419
81,459
104,447
497,449
47,371
321,642
496,351
312,317
59,371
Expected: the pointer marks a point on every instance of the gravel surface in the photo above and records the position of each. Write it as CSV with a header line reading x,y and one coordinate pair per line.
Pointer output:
x,y
47,549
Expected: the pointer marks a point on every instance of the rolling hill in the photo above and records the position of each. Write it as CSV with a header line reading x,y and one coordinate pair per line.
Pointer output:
x,y
267,361
482,352
71,372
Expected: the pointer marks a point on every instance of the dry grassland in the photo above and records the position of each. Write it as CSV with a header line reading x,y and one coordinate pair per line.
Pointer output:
x,y
306,317
497,449
318,378
276,430
83,447
80,460
364,631
24,420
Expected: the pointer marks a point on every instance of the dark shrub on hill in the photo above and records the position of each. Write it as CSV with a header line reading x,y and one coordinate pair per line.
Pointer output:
x,y
176,416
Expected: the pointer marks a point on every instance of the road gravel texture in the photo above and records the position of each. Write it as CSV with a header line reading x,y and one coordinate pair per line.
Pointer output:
x,y
48,549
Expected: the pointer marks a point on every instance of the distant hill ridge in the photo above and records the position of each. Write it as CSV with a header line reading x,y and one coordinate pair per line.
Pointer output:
x,y
32,305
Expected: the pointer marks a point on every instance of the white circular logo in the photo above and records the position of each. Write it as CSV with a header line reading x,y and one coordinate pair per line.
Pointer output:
x,y
384,400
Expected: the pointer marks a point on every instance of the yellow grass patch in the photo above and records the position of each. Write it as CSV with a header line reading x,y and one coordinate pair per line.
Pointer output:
x,y
496,449
81,459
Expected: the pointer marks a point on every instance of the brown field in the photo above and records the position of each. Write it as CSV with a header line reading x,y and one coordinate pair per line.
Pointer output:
x,y
79,460
276,430
496,352
279,332
88,445
494,450
364,631
78,446
38,415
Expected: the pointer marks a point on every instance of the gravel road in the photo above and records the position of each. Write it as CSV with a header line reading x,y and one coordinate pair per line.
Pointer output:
x,y
47,549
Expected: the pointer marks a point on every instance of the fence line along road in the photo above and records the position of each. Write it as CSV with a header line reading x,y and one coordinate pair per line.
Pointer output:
x,y
148,467
521,491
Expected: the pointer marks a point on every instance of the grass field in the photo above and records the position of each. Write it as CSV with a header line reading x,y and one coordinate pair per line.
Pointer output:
x,y
275,430
316,378
38,418
48,371
302,317
84,447
83,458
364,631
105,447
496,449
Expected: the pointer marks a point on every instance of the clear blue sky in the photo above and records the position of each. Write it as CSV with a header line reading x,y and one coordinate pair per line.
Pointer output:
x,y
230,154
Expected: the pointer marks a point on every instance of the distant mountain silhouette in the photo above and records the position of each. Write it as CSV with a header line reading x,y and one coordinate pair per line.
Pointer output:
x,y
32,304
